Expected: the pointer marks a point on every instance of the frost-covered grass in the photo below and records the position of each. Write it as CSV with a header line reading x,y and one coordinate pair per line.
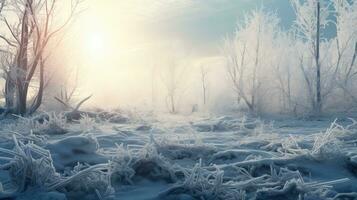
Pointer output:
x,y
43,124
196,158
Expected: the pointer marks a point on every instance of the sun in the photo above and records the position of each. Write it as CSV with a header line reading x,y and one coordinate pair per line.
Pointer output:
x,y
96,44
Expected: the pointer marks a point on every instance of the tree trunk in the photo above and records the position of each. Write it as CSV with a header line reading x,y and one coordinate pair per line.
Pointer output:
x,y
172,100
38,99
10,90
22,62
318,108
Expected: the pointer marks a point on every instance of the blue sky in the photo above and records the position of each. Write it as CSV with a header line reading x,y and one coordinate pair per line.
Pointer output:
x,y
205,22
221,17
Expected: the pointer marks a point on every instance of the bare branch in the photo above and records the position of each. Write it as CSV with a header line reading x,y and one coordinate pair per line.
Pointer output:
x,y
7,41
81,102
2,4
63,103
11,31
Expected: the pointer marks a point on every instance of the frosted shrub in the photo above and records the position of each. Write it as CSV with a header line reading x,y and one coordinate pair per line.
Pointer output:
x,y
152,165
205,183
90,180
201,183
291,146
291,185
146,162
87,123
263,128
190,137
55,125
121,165
48,123
22,125
327,145
30,166
292,189
189,146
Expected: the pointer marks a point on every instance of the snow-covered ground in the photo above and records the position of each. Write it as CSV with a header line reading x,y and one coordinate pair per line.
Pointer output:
x,y
131,156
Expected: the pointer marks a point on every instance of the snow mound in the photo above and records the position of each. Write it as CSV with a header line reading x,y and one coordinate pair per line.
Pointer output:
x,y
75,149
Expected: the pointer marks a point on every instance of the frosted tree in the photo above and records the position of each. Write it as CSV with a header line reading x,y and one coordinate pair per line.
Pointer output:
x,y
31,27
172,82
283,62
235,67
246,55
311,20
345,43
173,72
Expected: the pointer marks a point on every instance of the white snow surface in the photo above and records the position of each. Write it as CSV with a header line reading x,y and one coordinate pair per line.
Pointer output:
x,y
200,156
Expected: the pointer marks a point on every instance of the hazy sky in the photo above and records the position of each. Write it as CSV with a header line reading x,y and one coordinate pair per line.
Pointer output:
x,y
119,39
117,43
197,23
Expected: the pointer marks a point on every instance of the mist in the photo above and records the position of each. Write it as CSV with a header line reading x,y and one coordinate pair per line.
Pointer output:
x,y
117,51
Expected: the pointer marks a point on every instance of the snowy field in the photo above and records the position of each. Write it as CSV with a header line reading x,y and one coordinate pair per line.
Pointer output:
x,y
214,65
145,156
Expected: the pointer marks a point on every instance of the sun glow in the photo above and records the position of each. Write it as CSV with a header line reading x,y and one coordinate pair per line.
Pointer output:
x,y
114,51
96,45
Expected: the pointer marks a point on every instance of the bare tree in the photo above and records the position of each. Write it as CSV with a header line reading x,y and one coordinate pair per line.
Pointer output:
x,y
172,76
204,83
28,40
